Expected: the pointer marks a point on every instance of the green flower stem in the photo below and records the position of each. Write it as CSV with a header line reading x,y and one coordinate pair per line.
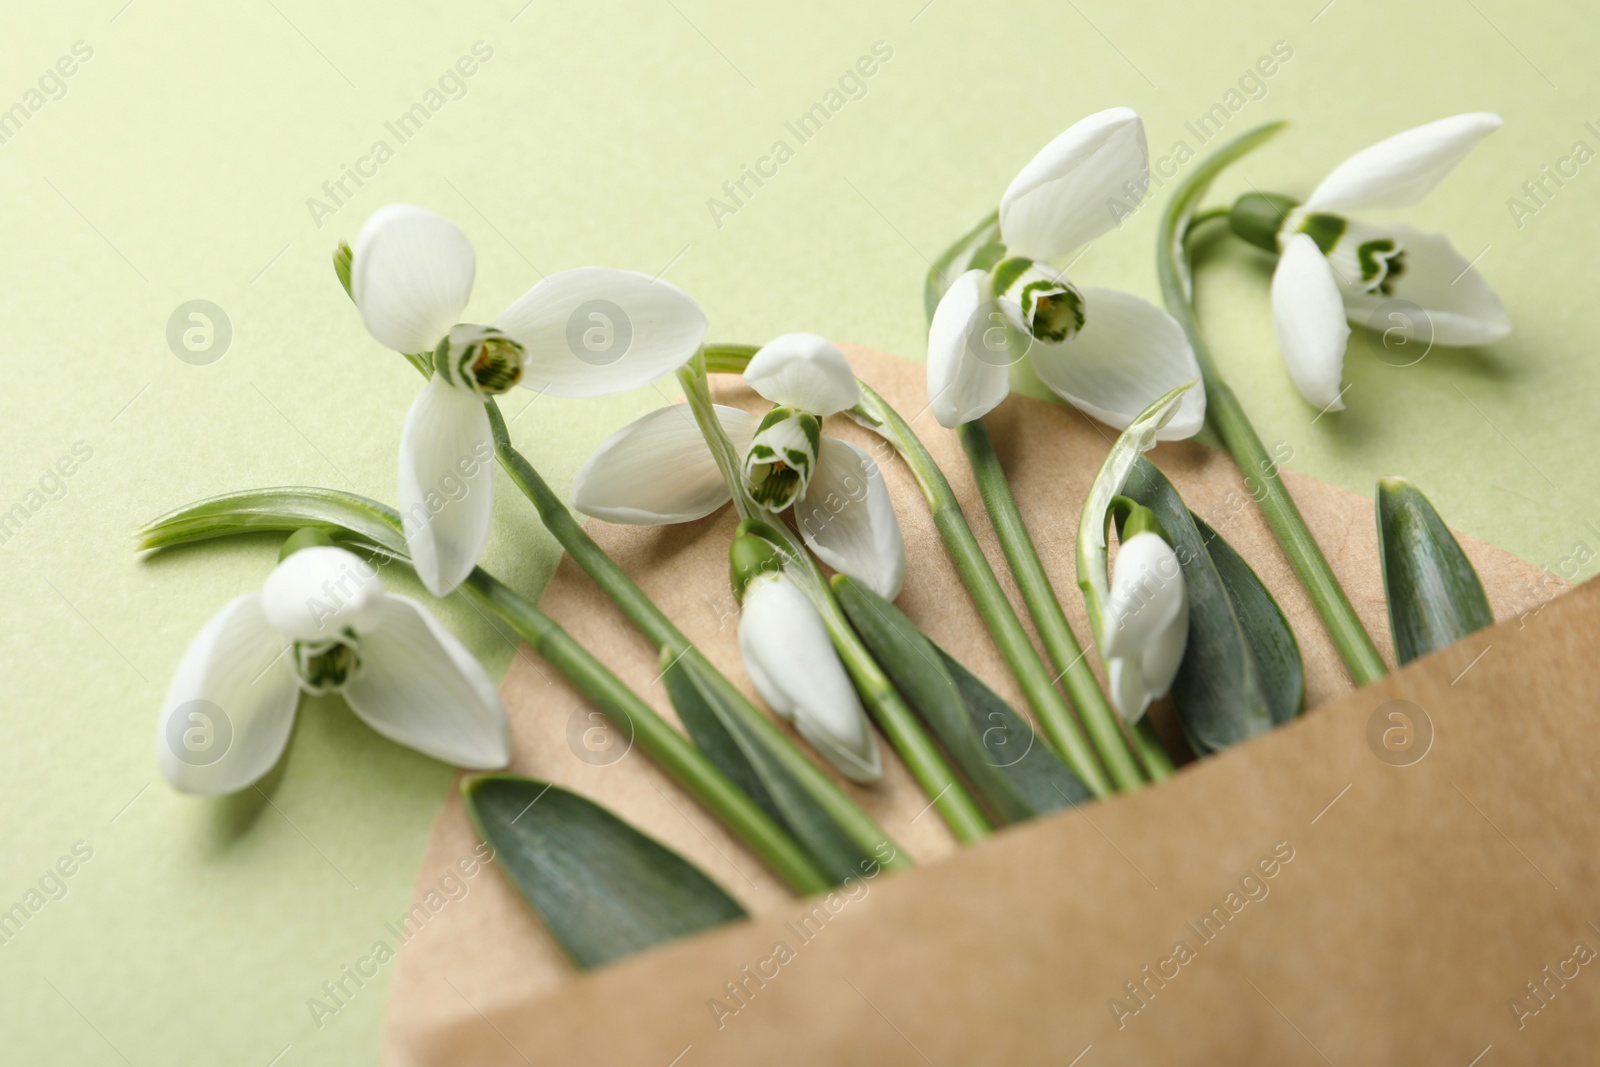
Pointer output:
x,y
1228,417
1103,724
1154,754
903,729
661,631
368,526
997,612
897,721
656,738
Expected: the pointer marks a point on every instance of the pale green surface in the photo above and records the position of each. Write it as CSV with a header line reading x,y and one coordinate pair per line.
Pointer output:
x,y
595,135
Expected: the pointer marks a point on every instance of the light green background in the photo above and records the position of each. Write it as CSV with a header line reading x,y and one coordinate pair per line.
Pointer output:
x,y
178,165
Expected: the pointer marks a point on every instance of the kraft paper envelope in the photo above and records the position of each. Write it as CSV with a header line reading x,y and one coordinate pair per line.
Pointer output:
x,y
1312,896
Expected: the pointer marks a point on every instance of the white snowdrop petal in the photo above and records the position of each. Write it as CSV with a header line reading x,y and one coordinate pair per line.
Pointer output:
x,y
1400,170
1080,185
847,518
969,353
594,331
790,658
419,687
411,276
1309,318
658,469
228,711
446,484
1128,353
321,591
804,371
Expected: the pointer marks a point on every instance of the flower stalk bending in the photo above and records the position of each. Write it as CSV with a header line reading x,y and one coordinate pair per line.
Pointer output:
x,y
1227,415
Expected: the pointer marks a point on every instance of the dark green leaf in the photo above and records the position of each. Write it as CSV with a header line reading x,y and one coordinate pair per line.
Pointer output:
x,y
742,754
1277,653
1435,597
1013,772
603,889
1219,692
711,737
1031,768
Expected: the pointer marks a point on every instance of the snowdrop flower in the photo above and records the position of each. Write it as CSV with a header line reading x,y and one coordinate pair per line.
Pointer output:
x,y
322,623
580,333
1335,267
791,660
1145,622
1104,351
659,469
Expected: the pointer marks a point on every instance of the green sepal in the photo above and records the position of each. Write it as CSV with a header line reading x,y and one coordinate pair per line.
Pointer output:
x,y
731,743
1435,597
1137,519
604,890
749,557
1258,217
1014,772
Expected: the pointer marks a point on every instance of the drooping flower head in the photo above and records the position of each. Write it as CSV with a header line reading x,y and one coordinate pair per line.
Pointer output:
x,y
580,333
321,624
1106,352
658,469
1334,267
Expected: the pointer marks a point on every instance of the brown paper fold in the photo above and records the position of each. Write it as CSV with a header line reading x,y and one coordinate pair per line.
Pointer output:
x,y
1417,901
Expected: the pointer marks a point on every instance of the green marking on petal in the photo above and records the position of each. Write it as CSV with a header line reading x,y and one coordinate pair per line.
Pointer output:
x,y
1382,261
481,359
1325,230
1007,271
1055,310
778,465
327,666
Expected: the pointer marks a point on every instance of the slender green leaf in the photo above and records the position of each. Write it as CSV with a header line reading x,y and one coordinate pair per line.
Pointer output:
x,y
1015,773
1219,692
1435,597
748,759
603,889
283,508
1277,652
958,259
